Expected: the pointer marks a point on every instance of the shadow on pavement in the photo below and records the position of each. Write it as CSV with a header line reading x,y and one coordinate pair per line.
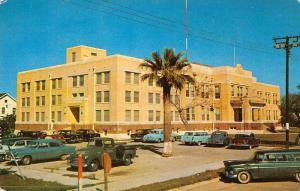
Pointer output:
x,y
153,148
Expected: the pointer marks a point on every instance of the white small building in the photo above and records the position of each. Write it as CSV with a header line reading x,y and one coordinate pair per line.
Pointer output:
x,y
7,105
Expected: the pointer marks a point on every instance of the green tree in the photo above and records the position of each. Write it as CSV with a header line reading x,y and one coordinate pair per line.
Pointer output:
x,y
169,71
7,124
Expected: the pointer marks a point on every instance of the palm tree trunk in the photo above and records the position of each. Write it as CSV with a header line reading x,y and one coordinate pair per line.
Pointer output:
x,y
167,150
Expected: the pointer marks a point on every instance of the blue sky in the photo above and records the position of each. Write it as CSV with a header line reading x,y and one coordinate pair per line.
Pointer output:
x,y
36,33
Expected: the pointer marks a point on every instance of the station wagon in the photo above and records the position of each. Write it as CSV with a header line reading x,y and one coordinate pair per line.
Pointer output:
x,y
157,135
219,138
195,137
265,164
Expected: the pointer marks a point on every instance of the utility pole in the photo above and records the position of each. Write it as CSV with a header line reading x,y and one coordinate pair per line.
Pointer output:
x,y
186,29
284,43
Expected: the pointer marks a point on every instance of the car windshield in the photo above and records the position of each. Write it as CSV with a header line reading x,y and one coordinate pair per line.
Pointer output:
x,y
189,133
155,132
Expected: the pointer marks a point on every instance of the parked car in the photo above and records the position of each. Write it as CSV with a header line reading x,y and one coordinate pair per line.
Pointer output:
x,y
265,164
4,149
32,134
297,140
70,136
43,149
195,137
219,138
56,137
139,134
157,135
93,153
87,134
244,139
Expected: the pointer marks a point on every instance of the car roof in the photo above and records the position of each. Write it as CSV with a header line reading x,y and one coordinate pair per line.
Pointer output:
x,y
279,151
46,140
244,133
219,132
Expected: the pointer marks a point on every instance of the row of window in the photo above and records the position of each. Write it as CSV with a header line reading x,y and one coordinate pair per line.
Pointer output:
x,y
26,87
241,91
128,77
151,98
129,94
102,96
268,114
151,115
78,81
102,115
40,100
268,97
25,101
40,85
56,83
103,78
4,109
56,116
56,100
132,115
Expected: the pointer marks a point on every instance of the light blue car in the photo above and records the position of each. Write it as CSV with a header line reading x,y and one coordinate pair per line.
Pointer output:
x,y
157,135
195,137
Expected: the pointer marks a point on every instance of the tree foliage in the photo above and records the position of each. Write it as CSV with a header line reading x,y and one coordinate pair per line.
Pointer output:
x,y
7,124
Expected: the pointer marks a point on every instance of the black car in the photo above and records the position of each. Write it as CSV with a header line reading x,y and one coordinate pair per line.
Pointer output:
x,y
297,141
87,134
32,134
70,136
139,134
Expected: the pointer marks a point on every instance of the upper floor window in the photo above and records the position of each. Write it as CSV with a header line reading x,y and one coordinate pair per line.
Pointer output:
x,y
38,85
26,87
103,77
136,97
157,98
78,80
150,97
93,54
136,78
98,96
53,84
150,81
127,96
73,56
43,84
3,110
218,114
81,80
106,96
217,91
128,77
150,115
232,90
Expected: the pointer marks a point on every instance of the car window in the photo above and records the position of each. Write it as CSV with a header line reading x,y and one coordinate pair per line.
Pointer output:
x,y
259,157
43,145
281,157
270,157
20,143
53,144
189,133
108,143
98,143
297,157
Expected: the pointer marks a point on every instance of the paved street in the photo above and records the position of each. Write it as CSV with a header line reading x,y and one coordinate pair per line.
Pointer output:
x,y
217,185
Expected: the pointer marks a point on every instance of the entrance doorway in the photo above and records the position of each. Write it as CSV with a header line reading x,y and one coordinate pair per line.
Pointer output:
x,y
238,114
76,114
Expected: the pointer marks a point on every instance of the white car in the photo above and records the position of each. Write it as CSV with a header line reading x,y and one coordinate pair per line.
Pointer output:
x,y
17,144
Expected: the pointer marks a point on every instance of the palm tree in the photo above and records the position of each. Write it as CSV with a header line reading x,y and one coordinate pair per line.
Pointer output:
x,y
168,72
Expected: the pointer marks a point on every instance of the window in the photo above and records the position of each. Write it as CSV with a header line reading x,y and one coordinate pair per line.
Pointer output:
x,y
106,77
74,94
232,90
247,91
106,115
28,101
188,114
54,84
136,78
127,115
192,89
14,110
187,90
176,116
53,100
206,95
81,94
59,116
23,116
218,114
5,101
238,114
59,83
37,116
150,81
81,80
193,113
136,97
23,87
3,110
157,100
28,86
43,100
106,96
27,116
37,86
150,115
150,97
73,56
217,92
128,77
202,91
98,96
136,115
157,116
37,101
42,116
43,84
98,115
58,99
53,115
93,54
99,78
74,81
177,99
127,96
23,102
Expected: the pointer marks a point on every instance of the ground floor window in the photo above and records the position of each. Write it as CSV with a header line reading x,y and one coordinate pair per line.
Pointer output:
x,y
238,114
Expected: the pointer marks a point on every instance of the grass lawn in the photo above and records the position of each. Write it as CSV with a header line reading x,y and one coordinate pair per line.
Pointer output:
x,y
11,182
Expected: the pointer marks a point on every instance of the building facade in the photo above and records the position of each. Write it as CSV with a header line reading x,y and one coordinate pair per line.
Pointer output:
x,y
105,93
7,105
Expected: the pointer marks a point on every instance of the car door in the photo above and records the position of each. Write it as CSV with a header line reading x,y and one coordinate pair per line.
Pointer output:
x,y
109,148
43,151
267,167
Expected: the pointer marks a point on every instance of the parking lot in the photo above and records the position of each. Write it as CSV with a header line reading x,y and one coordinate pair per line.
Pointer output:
x,y
148,167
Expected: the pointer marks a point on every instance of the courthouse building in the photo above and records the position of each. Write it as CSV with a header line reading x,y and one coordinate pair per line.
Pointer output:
x,y
105,92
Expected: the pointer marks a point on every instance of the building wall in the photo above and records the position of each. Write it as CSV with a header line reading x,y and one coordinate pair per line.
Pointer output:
x,y
7,106
123,113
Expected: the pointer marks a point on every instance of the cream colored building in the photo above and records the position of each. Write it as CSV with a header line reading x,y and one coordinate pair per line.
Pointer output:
x,y
105,93
7,105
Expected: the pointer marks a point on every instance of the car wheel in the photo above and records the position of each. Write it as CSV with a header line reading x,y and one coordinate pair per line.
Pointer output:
x,y
94,165
297,175
128,160
26,160
159,140
2,158
64,157
250,146
199,143
244,177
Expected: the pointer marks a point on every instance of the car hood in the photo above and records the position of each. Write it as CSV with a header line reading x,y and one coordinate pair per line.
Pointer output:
x,y
86,150
236,162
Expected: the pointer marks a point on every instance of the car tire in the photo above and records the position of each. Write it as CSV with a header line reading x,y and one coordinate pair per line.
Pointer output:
x,y
297,175
199,143
2,158
64,157
26,160
94,165
127,160
159,140
250,147
244,177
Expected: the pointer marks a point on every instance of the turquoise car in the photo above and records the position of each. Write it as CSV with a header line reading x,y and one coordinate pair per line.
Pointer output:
x,y
157,135
195,137
40,150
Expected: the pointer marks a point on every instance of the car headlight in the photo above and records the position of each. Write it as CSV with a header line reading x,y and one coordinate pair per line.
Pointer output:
x,y
85,156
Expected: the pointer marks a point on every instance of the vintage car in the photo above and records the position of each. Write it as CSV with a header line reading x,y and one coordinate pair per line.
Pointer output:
x,y
93,153
157,135
42,149
4,149
265,164
139,134
87,134
195,137
244,140
297,140
219,138
70,136
32,134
